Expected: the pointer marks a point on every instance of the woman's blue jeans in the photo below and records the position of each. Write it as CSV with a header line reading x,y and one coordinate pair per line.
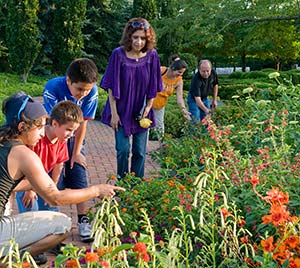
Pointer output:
x,y
139,143
197,113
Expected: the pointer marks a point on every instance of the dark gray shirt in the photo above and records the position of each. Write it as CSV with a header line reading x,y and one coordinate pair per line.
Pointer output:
x,y
202,87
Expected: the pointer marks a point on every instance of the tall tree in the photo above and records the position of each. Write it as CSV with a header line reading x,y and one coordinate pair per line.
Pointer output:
x,y
102,30
3,46
145,8
43,64
67,39
22,35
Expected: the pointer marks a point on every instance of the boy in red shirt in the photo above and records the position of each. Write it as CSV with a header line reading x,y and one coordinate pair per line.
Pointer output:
x,y
52,149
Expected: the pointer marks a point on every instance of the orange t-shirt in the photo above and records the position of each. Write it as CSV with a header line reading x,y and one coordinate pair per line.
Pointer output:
x,y
168,89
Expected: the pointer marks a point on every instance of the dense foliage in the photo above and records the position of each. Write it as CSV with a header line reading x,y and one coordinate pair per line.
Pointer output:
x,y
229,33
22,35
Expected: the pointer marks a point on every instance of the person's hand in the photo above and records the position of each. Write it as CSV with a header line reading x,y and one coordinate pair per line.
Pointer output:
x,y
29,198
146,111
115,121
107,190
80,159
214,104
186,114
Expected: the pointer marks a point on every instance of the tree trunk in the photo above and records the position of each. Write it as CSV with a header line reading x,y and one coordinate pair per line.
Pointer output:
x,y
277,63
243,57
24,77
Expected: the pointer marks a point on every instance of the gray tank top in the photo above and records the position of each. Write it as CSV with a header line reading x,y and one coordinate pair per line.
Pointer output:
x,y
7,183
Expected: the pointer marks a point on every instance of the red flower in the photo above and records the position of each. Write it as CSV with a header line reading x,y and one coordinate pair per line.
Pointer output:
x,y
146,257
104,263
91,257
241,223
140,247
294,263
225,212
72,264
254,180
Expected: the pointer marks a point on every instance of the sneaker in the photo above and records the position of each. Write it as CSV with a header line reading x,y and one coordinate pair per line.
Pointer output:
x,y
40,259
57,249
85,230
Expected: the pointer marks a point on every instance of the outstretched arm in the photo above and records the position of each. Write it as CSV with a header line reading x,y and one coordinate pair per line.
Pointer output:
x,y
30,165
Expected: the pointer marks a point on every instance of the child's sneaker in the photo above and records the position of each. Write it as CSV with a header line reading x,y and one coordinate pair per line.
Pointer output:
x,y
40,259
85,230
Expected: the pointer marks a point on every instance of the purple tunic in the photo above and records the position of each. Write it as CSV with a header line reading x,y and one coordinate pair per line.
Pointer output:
x,y
130,81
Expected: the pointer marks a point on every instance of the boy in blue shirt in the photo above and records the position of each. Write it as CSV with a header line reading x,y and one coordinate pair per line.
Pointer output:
x,y
78,86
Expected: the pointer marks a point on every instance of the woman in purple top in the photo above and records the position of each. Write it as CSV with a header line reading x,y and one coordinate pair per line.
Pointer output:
x,y
132,79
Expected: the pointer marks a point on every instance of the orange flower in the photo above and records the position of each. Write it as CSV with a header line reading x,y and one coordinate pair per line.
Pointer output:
x,y
91,257
181,187
292,241
124,209
26,265
281,257
101,251
113,177
162,243
279,215
135,191
245,239
140,247
167,200
71,264
267,244
276,196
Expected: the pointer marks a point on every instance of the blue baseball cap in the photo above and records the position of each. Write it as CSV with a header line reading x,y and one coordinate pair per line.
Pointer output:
x,y
20,103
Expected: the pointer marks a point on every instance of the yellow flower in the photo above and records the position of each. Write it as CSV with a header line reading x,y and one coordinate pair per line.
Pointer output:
x,y
235,96
247,90
274,75
145,122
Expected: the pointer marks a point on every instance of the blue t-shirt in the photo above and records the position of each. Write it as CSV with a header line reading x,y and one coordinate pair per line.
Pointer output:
x,y
57,90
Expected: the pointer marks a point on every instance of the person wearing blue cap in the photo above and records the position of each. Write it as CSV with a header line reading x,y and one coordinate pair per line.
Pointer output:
x,y
21,169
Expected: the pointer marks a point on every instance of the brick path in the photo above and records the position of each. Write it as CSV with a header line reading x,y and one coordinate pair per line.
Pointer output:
x,y
101,159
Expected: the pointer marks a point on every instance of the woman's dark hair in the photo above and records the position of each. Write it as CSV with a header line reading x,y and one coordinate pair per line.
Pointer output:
x,y
12,131
176,63
82,70
134,25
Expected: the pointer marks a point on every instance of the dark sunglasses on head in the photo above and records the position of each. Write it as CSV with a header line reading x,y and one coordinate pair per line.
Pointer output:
x,y
139,24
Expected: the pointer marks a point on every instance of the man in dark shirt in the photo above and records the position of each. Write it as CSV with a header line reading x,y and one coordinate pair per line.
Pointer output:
x,y
203,83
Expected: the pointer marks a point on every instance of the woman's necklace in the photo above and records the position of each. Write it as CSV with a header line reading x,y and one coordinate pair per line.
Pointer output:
x,y
135,55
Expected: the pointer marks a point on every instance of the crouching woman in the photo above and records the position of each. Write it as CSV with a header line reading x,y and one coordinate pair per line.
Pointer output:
x,y
21,169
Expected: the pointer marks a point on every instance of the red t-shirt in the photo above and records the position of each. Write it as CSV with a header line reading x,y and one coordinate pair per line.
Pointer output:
x,y
51,154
